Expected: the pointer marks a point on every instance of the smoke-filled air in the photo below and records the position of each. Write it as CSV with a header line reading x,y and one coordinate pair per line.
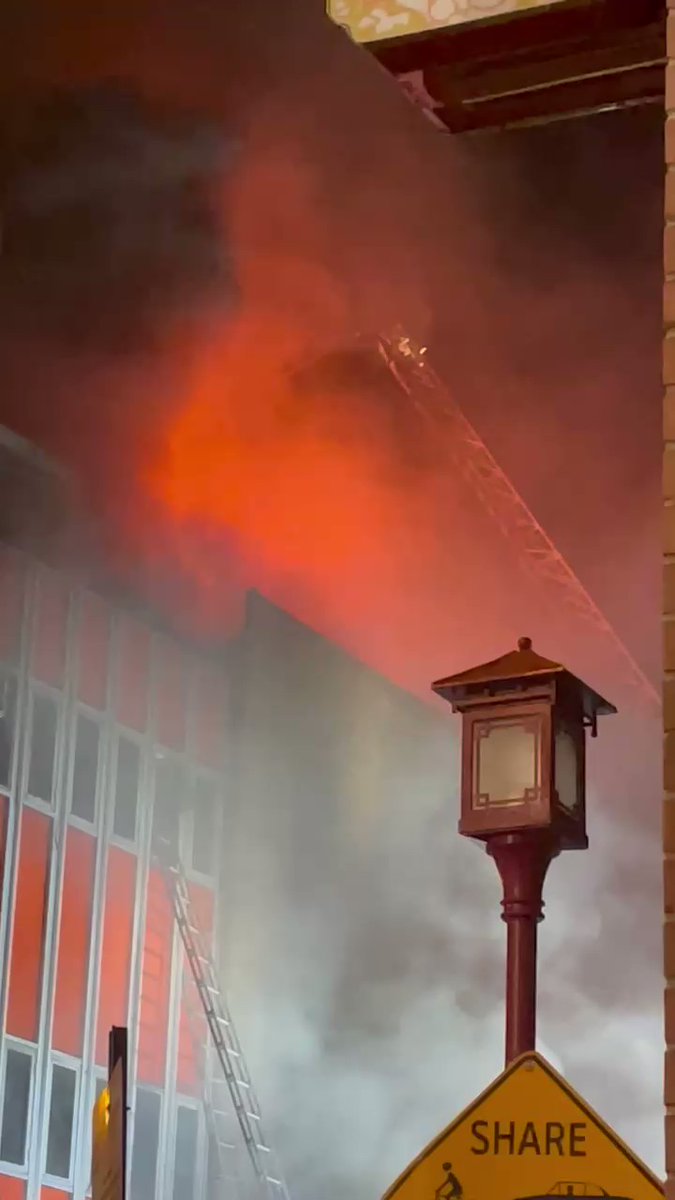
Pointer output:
x,y
209,218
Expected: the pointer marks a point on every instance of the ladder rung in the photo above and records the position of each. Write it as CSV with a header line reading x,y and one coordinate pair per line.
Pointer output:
x,y
231,1053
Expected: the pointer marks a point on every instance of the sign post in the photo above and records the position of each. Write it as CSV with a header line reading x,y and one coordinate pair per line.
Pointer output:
x,y
529,1136
109,1132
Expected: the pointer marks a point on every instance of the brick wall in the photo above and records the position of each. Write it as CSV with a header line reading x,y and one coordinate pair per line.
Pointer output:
x,y
669,605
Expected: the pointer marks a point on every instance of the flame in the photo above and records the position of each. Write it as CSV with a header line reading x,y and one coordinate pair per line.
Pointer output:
x,y
243,451
322,502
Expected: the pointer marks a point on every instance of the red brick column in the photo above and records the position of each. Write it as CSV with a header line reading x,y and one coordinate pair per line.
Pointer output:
x,y
669,605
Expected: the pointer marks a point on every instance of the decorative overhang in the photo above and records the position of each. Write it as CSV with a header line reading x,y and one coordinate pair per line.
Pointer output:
x,y
487,64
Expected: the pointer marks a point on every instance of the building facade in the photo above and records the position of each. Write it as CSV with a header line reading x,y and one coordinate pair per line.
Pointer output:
x,y
110,733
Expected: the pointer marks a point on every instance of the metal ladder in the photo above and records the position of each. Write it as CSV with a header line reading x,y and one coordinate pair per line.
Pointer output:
x,y
221,1142
236,1079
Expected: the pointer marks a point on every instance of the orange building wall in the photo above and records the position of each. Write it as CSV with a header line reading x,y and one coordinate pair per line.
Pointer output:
x,y
30,912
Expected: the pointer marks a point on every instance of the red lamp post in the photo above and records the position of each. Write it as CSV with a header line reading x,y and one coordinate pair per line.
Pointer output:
x,y
524,721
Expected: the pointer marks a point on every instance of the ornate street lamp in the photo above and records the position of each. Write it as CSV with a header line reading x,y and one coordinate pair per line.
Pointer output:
x,y
524,721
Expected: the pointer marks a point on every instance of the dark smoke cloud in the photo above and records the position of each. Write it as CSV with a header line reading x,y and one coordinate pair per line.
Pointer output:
x,y
111,221
113,250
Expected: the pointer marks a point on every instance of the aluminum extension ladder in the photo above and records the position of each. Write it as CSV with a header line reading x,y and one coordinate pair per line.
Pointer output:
x,y
227,1048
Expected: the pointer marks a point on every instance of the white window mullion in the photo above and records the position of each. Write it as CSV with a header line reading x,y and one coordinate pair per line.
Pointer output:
x,y
11,866
144,836
53,911
82,1149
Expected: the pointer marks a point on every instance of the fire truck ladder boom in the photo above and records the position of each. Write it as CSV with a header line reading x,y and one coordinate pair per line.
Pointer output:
x,y
408,364
225,1042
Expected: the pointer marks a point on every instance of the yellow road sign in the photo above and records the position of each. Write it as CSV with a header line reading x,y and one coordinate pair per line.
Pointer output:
x,y
528,1137
107,1154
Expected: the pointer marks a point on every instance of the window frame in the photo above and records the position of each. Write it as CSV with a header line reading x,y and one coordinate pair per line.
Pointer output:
x,y
9,551
59,1182
18,1171
117,839
178,761
11,672
196,1106
192,872
161,1095
48,693
98,719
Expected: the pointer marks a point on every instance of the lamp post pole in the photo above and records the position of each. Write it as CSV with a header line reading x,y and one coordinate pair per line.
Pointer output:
x,y
522,859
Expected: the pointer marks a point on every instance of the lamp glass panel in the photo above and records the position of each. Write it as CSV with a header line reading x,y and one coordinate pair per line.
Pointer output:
x,y
507,754
566,774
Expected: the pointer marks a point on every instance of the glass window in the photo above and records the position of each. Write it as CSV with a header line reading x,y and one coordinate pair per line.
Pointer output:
x,y
126,788
85,769
18,1073
214,1171
168,802
61,1112
204,825
146,1139
187,1127
12,574
42,748
7,722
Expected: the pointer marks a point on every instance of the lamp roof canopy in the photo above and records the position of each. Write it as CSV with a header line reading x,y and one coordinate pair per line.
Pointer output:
x,y
524,666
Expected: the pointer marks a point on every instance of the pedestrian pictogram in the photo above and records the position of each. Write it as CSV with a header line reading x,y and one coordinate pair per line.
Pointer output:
x,y
529,1136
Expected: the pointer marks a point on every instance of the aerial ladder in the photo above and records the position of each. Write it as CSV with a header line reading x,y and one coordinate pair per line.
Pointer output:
x,y
408,363
228,1087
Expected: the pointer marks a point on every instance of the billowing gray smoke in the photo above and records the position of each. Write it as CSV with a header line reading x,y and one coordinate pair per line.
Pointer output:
x,y
362,942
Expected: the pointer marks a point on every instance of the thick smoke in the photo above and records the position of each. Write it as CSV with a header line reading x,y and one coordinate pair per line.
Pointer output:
x,y
174,364
375,928
110,237
112,250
